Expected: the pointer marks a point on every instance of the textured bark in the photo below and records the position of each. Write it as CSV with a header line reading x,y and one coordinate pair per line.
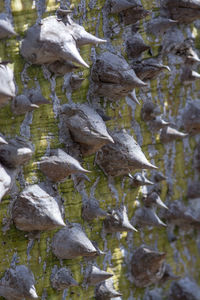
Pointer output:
x,y
43,130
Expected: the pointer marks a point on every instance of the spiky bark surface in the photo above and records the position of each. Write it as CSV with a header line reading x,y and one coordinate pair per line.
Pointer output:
x,y
41,127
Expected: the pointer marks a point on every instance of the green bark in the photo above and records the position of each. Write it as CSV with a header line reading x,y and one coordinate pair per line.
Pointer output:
x,y
36,252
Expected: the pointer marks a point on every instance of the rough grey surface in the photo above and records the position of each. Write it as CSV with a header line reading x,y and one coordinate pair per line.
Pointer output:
x,y
140,179
184,289
16,153
159,25
181,215
153,199
91,210
122,157
86,127
21,104
169,134
35,209
182,10
62,279
71,242
7,179
30,100
7,85
59,165
147,266
149,68
56,39
6,27
147,216
18,283
105,291
135,45
113,77
190,117
166,93
96,275
135,13
117,220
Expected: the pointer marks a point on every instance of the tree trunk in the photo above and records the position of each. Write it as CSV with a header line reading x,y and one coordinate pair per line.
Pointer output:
x,y
42,128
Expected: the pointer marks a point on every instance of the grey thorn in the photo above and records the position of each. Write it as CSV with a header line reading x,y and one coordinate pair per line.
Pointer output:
x,y
3,141
21,104
16,153
187,289
96,276
18,283
62,279
191,117
159,25
180,215
138,81
168,274
169,134
82,37
71,52
146,216
159,122
7,179
129,176
36,97
133,97
105,291
122,157
38,47
119,5
150,111
99,251
62,13
158,176
149,68
117,221
147,266
71,242
35,209
134,14
135,45
191,55
188,75
92,210
6,28
154,198
140,180
86,127
59,165
7,85
114,77
184,11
